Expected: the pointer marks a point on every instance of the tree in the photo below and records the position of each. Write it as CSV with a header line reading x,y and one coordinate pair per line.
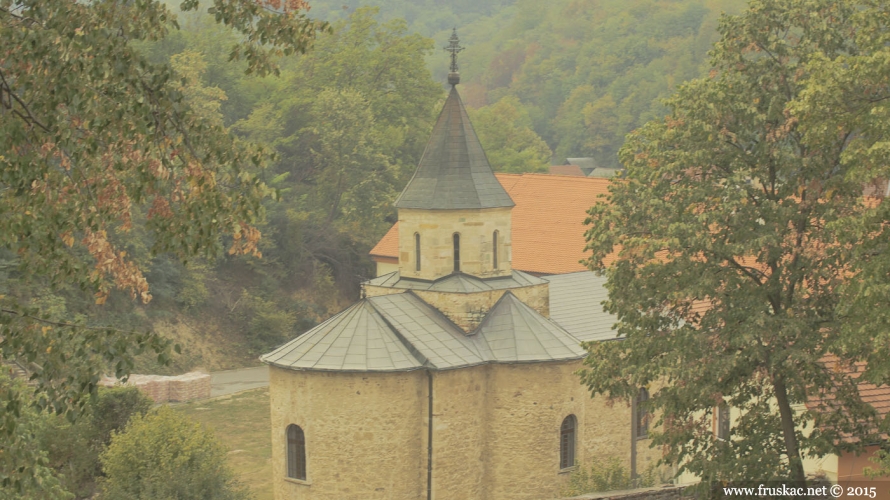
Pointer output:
x,y
355,183
349,128
34,478
848,97
93,135
72,449
204,101
164,455
504,129
730,254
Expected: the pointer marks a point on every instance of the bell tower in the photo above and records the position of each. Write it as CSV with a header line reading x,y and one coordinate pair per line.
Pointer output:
x,y
454,215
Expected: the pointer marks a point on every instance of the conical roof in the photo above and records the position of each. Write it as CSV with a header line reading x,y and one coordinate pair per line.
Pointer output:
x,y
453,172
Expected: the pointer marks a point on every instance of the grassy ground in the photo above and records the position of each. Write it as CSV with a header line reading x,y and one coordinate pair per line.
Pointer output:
x,y
241,422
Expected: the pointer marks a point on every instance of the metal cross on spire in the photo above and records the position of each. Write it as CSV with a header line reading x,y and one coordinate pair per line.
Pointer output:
x,y
454,47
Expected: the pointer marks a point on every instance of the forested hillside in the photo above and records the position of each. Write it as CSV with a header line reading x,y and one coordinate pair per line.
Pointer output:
x,y
348,121
586,72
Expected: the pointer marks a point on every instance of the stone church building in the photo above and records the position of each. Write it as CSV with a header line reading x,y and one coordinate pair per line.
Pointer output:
x,y
449,379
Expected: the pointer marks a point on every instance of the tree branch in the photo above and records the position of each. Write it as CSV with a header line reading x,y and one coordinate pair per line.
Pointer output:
x,y
28,117
57,323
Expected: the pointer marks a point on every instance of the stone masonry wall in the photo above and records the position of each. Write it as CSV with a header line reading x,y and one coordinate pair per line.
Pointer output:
x,y
527,404
436,228
468,309
460,433
496,432
364,434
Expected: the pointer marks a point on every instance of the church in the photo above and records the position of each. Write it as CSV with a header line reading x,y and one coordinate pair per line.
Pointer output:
x,y
450,378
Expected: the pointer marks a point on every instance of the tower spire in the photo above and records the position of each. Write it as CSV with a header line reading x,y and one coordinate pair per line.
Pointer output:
x,y
454,47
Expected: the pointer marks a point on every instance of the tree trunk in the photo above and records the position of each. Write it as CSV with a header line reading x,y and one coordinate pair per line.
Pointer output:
x,y
788,432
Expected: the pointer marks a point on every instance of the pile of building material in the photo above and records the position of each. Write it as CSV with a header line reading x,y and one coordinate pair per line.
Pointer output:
x,y
160,388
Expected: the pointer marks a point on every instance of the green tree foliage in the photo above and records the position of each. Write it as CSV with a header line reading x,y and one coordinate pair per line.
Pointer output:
x,y
164,455
504,129
426,17
27,472
731,238
114,408
348,121
94,136
205,101
349,126
589,72
847,97
608,475
73,448
354,180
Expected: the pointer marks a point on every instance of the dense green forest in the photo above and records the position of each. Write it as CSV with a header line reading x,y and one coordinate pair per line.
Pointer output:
x,y
348,121
587,72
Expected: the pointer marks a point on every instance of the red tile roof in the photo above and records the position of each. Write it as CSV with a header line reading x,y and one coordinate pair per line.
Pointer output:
x,y
388,247
548,222
877,396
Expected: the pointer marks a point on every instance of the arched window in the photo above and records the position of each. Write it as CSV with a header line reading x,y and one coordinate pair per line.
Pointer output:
x,y
567,442
642,417
723,421
296,453
456,239
494,250
417,251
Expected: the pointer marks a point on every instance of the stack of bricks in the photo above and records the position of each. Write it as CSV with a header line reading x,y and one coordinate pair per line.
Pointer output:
x,y
189,387
161,389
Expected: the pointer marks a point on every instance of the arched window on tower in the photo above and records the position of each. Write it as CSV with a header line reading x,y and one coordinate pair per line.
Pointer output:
x,y
417,251
642,415
456,238
494,250
296,453
567,442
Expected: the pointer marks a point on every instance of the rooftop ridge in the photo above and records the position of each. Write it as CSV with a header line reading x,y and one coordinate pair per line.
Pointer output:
x,y
561,345
423,360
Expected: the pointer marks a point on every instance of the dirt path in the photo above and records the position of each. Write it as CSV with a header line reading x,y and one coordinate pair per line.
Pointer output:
x,y
232,381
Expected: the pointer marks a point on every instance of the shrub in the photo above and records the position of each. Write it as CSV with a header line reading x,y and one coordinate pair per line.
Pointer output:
x,y
163,455
114,408
73,449
24,468
609,475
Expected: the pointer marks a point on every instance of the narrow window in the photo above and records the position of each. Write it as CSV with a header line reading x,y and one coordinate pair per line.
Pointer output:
x,y
296,453
417,251
494,250
567,442
456,239
642,420
723,422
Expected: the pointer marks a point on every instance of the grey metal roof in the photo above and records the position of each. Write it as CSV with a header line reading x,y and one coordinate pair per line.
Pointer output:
x,y
576,304
453,172
429,332
457,282
357,339
516,332
401,332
